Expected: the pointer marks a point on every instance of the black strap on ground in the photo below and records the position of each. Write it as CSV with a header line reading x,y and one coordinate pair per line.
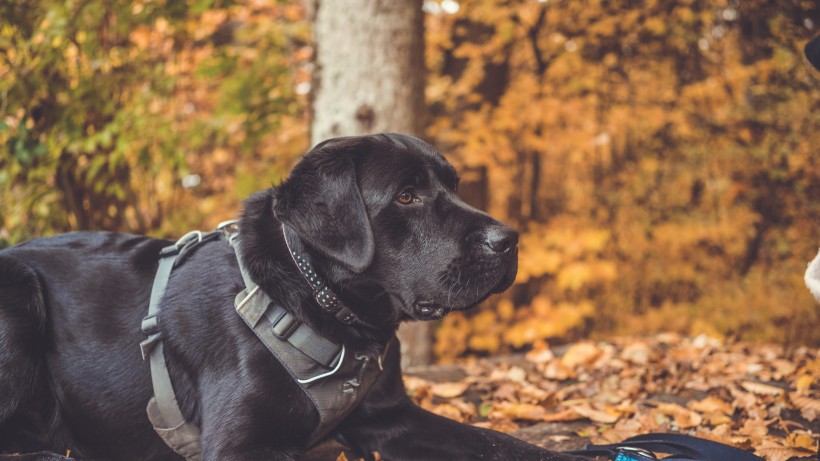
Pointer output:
x,y
680,448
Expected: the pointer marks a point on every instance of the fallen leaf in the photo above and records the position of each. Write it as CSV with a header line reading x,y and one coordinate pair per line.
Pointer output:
x,y
809,407
580,354
449,390
761,388
595,415
523,411
448,411
683,418
781,453
638,353
804,383
802,440
567,414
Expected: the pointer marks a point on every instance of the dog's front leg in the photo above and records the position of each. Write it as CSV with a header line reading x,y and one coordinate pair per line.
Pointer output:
x,y
411,433
248,418
388,422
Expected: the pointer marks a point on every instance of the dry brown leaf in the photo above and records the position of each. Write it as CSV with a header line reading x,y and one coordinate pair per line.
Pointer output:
x,y
567,414
413,383
448,390
557,371
637,353
541,353
466,408
772,452
802,440
804,383
809,407
523,411
580,354
506,391
683,418
755,429
595,415
500,425
761,388
448,411
711,405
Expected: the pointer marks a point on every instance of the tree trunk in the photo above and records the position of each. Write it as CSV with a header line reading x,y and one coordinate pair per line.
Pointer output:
x,y
369,78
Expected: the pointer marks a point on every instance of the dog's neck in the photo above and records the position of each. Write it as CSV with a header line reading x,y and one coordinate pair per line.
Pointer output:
x,y
268,259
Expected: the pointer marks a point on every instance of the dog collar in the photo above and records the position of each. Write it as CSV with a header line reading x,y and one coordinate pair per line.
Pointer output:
x,y
324,296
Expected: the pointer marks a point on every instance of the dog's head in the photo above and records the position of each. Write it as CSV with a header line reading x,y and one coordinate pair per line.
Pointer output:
x,y
383,215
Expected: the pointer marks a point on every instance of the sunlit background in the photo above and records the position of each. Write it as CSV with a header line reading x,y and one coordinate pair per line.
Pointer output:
x,y
659,158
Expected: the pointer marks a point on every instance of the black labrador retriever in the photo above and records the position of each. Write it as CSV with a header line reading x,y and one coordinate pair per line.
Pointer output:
x,y
380,220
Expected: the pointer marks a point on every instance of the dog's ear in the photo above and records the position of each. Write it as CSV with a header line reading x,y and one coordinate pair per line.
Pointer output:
x,y
322,202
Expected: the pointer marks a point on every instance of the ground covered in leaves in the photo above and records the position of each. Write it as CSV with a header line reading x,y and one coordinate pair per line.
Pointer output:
x,y
761,398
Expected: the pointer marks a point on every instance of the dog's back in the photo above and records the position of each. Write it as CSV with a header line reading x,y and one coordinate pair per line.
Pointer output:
x,y
72,279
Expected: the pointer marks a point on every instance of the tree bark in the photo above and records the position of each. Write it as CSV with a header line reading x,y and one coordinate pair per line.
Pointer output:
x,y
369,78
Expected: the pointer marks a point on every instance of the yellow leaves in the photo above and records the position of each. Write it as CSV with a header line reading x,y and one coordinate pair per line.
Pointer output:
x,y
804,383
581,274
542,320
568,253
655,25
452,336
486,332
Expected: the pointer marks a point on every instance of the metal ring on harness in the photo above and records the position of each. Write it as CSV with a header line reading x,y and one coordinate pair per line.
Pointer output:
x,y
184,239
329,373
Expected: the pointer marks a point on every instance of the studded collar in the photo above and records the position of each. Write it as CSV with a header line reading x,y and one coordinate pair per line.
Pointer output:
x,y
324,296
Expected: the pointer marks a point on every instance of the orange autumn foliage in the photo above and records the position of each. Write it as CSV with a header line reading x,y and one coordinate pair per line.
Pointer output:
x,y
658,158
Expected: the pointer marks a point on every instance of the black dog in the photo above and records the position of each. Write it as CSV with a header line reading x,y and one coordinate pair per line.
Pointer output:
x,y
380,219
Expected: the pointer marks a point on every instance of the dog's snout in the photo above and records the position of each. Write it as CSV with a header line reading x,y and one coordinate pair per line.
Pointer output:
x,y
501,239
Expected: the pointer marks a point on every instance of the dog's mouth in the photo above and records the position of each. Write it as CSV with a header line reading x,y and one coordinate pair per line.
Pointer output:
x,y
429,310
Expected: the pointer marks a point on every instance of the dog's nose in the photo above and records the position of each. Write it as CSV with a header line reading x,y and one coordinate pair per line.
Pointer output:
x,y
501,239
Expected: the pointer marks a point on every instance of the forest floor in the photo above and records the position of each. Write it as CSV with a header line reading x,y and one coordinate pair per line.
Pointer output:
x,y
761,398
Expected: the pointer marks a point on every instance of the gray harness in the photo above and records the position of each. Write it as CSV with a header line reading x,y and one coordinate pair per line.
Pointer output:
x,y
334,378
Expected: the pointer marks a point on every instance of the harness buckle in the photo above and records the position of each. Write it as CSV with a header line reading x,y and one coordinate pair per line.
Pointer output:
x,y
633,454
149,325
326,299
147,345
228,227
284,324
170,250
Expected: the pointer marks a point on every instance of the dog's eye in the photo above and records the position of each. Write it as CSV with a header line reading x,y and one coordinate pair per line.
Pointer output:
x,y
407,197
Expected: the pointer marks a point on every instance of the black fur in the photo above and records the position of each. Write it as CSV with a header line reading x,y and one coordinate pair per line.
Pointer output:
x,y
71,375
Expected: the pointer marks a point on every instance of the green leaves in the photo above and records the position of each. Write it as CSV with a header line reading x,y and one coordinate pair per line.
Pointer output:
x,y
107,105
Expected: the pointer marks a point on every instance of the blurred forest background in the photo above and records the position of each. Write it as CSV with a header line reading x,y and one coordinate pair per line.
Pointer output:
x,y
659,158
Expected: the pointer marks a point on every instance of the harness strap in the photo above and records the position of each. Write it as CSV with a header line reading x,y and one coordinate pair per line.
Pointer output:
x,y
287,327
163,409
283,324
308,357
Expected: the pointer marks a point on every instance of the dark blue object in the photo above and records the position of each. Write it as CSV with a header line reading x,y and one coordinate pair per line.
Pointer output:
x,y
812,51
680,447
